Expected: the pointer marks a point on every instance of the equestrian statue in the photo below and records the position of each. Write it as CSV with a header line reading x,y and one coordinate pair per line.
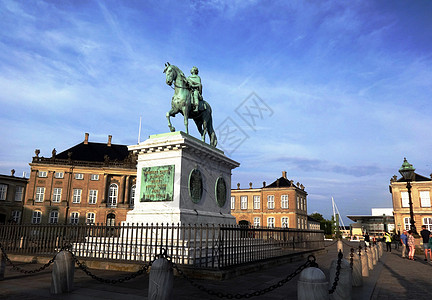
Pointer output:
x,y
188,101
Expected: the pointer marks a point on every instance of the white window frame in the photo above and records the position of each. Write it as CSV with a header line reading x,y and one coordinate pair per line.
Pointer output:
x,y
93,196
3,191
36,217
425,199
256,202
53,217
243,202
298,223
94,177
59,175
16,216
40,194
232,202
42,174
270,202
79,176
407,223
284,222
90,218
284,201
19,193
257,221
113,195
298,202
76,197
404,199
57,193
271,222
132,195
428,223
74,217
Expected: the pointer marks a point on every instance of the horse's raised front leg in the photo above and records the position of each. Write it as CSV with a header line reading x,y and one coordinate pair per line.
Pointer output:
x,y
169,114
186,118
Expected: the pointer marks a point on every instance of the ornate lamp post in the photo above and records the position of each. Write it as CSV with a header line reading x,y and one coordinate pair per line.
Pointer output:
x,y
407,172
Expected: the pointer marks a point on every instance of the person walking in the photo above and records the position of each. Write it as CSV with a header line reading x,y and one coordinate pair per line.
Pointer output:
x,y
411,245
404,242
425,236
367,239
430,248
388,240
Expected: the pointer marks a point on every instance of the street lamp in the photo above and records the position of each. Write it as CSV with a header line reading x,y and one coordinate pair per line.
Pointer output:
x,y
407,172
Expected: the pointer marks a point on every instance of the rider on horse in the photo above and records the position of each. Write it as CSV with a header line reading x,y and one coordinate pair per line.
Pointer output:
x,y
196,88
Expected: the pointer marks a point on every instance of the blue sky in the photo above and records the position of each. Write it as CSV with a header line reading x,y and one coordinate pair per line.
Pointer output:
x,y
336,93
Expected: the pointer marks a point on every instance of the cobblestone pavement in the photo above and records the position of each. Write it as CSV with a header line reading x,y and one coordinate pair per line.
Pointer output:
x,y
391,278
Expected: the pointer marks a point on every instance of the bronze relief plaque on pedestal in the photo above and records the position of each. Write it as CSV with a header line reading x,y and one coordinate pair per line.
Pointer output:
x,y
195,185
220,191
157,183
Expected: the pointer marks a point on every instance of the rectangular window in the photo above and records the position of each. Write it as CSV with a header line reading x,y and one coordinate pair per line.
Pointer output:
x,y
257,202
58,174
77,196
57,195
270,202
40,194
243,202
3,191
16,216
79,176
407,224
405,199
19,192
232,202
270,222
36,217
425,199
53,218
42,174
284,222
284,201
94,177
257,222
428,223
132,196
90,218
298,223
93,196
74,218
298,202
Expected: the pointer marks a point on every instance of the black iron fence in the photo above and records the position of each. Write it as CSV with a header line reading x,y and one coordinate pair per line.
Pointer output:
x,y
204,246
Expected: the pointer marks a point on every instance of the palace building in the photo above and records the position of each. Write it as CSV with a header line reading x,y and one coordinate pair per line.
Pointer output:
x,y
280,204
87,183
12,191
421,187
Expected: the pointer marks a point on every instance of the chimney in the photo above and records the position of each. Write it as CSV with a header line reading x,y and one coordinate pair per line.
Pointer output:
x,y
284,174
277,183
250,185
12,172
86,138
264,184
109,140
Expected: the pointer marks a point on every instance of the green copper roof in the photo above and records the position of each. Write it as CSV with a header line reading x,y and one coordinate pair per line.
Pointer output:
x,y
406,166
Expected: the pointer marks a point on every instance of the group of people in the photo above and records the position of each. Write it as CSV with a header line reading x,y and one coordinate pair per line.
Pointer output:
x,y
408,241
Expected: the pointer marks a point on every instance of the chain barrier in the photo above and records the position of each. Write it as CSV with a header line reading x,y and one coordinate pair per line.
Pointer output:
x,y
352,258
338,268
311,262
143,269
24,271
331,244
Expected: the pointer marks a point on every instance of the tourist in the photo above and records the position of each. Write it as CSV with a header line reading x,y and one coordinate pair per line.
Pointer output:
x,y
396,239
411,245
430,248
388,240
367,239
425,235
404,242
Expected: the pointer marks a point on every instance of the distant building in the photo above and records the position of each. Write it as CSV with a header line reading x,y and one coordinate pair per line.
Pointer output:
x,y
377,223
12,191
88,183
280,204
420,195
313,224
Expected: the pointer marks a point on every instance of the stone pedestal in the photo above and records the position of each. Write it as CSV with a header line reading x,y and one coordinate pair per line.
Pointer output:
x,y
181,179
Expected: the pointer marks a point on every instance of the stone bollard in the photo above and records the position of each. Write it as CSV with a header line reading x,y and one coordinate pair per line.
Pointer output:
x,y
62,275
344,287
370,258
357,279
380,250
374,255
364,263
161,280
312,285
339,246
2,265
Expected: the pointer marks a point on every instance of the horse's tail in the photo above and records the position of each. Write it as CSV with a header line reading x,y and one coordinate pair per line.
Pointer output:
x,y
210,129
